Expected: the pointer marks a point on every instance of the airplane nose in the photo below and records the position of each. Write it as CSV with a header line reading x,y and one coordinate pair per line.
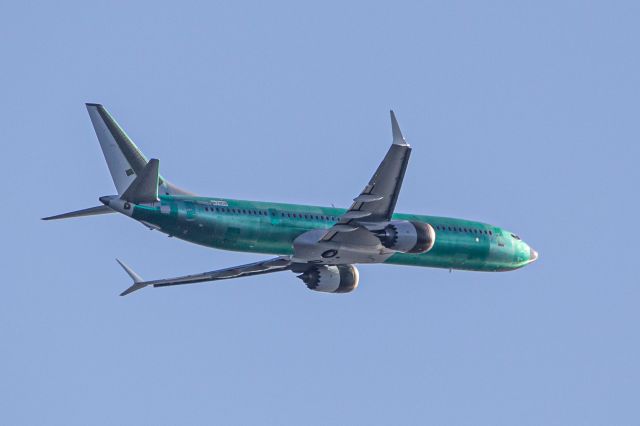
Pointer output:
x,y
533,255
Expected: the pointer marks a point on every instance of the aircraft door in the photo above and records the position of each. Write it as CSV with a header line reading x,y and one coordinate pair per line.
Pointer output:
x,y
274,216
187,211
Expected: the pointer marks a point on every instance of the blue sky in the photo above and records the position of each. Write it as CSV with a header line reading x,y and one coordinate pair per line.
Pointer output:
x,y
523,115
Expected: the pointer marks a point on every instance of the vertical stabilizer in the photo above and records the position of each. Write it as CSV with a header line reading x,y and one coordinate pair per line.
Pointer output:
x,y
124,159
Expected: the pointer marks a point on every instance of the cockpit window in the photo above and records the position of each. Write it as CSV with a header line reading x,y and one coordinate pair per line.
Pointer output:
x,y
515,236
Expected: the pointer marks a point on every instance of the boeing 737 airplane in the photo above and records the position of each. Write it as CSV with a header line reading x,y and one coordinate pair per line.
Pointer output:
x,y
321,245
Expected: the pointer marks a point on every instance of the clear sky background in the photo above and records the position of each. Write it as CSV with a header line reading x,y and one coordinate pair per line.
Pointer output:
x,y
523,115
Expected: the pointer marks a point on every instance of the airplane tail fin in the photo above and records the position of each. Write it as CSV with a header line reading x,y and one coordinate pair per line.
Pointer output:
x,y
124,158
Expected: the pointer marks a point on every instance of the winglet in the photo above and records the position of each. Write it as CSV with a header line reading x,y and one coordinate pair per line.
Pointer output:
x,y
398,139
138,282
144,188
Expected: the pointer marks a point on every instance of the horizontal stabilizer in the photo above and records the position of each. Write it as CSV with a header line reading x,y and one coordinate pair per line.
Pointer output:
x,y
91,211
144,188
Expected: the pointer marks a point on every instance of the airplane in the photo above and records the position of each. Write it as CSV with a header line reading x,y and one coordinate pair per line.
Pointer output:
x,y
321,245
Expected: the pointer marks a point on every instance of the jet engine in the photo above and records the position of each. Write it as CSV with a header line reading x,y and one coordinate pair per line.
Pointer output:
x,y
331,279
408,236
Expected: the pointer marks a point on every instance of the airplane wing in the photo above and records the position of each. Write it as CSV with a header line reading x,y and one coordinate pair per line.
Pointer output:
x,y
281,263
377,200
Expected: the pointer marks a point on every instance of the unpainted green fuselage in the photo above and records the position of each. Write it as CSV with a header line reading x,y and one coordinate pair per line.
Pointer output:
x,y
263,227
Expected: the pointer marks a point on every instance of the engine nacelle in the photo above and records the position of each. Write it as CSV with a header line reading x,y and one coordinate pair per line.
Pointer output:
x,y
331,279
408,236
